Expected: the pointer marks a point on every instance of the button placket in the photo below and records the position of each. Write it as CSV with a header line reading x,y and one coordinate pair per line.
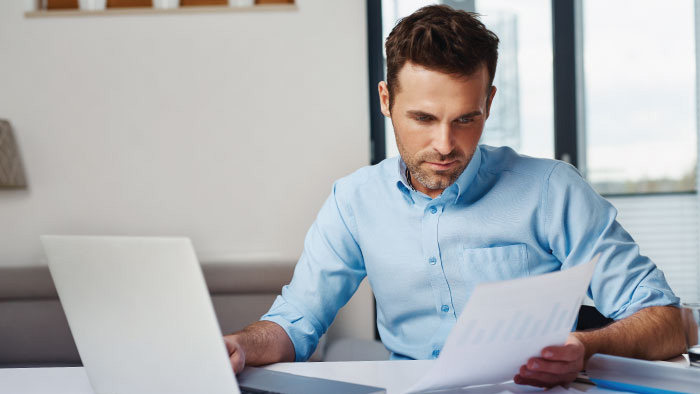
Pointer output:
x,y
437,275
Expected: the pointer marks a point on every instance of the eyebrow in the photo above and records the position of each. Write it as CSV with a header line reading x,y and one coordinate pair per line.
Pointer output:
x,y
422,113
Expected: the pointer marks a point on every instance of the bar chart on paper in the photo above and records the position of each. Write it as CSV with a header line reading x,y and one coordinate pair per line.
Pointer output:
x,y
519,325
506,323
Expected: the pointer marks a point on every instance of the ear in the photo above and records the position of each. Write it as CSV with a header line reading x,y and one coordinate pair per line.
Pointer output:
x,y
489,100
384,99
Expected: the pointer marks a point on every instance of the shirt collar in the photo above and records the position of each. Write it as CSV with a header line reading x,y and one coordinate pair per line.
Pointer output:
x,y
401,181
469,173
462,183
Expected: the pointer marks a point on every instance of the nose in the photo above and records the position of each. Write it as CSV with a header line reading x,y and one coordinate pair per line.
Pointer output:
x,y
444,142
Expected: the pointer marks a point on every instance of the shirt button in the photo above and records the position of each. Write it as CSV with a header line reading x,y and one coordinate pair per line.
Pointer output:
x,y
433,210
445,308
432,260
436,353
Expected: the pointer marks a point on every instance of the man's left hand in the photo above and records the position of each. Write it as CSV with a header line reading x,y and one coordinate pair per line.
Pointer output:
x,y
558,365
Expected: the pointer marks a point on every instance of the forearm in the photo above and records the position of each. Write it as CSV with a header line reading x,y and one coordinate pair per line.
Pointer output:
x,y
265,342
654,333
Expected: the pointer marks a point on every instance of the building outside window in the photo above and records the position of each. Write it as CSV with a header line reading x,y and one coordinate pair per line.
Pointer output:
x,y
639,64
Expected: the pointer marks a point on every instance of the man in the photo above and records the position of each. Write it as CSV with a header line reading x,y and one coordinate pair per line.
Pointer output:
x,y
427,227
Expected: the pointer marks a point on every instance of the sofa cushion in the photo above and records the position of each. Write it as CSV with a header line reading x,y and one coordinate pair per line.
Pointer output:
x,y
34,330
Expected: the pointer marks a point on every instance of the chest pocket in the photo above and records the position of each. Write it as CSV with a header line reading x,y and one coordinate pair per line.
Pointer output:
x,y
495,264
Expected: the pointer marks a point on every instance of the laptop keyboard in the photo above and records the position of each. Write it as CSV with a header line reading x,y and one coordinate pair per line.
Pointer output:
x,y
248,390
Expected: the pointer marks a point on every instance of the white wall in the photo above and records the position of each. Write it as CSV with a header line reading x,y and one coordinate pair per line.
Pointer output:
x,y
226,127
229,127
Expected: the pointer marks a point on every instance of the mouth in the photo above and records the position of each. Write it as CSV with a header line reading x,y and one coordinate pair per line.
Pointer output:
x,y
442,166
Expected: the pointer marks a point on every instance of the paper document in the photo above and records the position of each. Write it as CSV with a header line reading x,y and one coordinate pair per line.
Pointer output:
x,y
504,324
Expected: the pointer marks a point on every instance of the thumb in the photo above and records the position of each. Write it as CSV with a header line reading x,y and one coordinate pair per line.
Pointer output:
x,y
237,358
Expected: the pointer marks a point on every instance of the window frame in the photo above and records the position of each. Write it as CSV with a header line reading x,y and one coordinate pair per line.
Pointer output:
x,y
375,59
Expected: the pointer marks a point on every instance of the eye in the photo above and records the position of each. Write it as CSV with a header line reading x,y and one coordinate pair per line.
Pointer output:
x,y
422,118
464,120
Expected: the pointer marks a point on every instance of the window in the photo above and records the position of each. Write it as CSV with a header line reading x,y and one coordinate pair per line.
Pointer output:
x,y
639,62
392,12
522,114
640,126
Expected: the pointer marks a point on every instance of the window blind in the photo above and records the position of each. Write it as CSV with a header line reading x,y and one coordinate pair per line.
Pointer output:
x,y
667,230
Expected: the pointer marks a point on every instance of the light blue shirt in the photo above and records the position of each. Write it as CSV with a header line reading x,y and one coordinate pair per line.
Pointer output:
x,y
507,216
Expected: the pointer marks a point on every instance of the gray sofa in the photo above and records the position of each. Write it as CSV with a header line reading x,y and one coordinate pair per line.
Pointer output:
x,y
34,330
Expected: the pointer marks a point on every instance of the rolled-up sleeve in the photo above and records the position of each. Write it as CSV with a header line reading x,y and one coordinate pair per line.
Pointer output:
x,y
327,274
580,224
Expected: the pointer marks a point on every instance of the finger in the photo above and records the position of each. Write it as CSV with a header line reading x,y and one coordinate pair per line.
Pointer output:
x,y
547,379
518,379
237,361
554,367
229,345
562,353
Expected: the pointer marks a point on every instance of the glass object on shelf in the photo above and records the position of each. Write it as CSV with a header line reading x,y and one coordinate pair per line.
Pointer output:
x,y
166,4
92,5
639,62
690,314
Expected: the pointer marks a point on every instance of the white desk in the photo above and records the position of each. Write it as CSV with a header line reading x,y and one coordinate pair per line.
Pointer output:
x,y
394,375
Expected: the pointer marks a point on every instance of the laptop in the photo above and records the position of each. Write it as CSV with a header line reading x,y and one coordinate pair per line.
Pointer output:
x,y
143,322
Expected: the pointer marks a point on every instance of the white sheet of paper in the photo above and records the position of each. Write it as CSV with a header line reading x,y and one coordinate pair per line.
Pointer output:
x,y
504,324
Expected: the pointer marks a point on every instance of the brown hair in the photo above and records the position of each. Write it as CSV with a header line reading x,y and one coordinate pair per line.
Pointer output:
x,y
442,39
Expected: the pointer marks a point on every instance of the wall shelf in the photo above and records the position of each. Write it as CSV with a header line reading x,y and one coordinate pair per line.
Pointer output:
x,y
158,11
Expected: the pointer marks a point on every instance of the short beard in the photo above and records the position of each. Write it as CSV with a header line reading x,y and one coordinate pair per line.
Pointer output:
x,y
434,182
439,180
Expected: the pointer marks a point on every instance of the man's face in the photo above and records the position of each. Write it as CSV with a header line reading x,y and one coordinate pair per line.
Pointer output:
x,y
438,120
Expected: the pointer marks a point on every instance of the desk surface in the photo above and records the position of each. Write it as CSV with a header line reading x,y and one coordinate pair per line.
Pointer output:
x,y
394,375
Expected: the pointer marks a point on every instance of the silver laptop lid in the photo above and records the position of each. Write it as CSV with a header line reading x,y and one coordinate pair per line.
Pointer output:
x,y
140,314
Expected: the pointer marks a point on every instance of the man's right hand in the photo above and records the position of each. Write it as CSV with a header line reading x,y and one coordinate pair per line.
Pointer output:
x,y
261,343
236,354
